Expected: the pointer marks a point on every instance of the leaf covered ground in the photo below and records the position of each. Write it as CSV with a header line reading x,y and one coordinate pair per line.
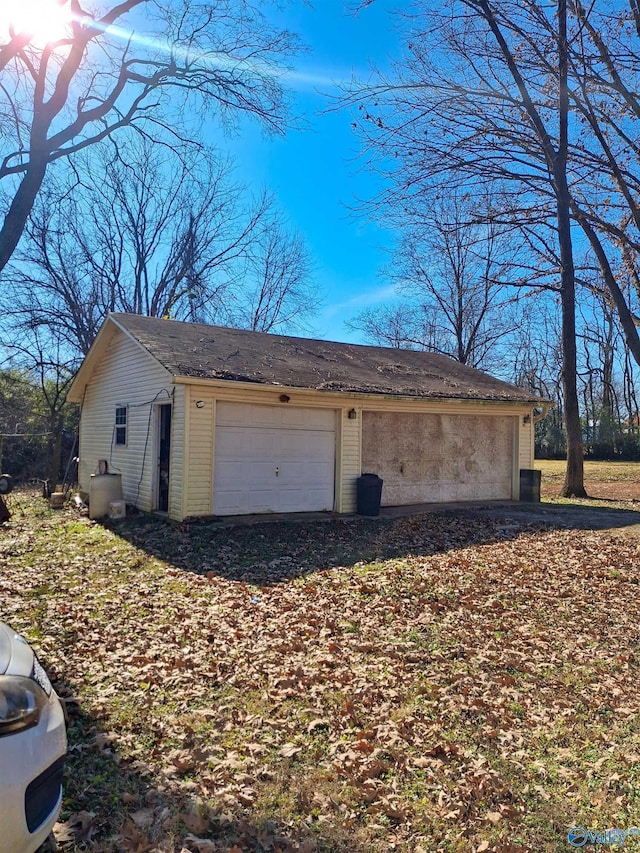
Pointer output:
x,y
433,682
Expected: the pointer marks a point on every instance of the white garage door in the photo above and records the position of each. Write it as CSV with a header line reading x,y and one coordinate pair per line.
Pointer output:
x,y
273,459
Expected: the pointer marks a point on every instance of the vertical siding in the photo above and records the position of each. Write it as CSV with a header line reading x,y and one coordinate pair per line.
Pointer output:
x,y
176,474
200,421
526,442
350,463
126,376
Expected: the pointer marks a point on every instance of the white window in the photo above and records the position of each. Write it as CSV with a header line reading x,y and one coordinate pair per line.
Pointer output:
x,y
121,426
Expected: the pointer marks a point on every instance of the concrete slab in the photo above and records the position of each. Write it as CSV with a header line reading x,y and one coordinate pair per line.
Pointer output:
x,y
581,517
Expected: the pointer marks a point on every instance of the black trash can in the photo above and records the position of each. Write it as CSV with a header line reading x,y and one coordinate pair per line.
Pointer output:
x,y
530,485
369,494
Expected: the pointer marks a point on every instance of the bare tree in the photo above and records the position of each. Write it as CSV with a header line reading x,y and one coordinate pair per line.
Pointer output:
x,y
277,290
482,98
537,365
136,64
604,82
599,337
398,324
453,267
147,232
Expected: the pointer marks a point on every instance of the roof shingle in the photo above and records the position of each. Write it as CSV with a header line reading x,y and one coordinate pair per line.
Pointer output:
x,y
214,352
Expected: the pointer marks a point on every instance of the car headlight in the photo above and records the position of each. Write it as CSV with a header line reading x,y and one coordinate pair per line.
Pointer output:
x,y
21,703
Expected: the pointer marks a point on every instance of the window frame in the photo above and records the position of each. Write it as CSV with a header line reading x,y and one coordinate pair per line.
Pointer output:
x,y
120,426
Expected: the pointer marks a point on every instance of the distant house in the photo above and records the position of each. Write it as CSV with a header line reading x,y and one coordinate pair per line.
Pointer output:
x,y
201,420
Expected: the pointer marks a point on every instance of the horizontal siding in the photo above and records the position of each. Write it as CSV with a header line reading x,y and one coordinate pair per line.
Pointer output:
x,y
126,376
253,393
193,494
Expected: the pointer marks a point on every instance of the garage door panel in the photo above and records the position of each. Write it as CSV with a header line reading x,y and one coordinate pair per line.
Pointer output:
x,y
292,473
261,472
309,443
318,471
294,444
264,445
228,470
274,417
273,459
294,418
242,502
426,458
498,490
317,498
230,443
258,500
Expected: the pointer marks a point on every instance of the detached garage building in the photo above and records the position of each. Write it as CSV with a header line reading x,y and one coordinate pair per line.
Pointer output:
x,y
201,420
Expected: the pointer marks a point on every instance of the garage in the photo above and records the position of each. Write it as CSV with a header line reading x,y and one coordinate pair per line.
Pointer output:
x,y
273,459
264,423
425,458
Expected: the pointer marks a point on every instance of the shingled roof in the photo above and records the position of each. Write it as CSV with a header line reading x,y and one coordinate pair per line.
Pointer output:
x,y
214,352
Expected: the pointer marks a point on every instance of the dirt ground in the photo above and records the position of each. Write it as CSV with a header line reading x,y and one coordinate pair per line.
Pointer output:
x,y
613,502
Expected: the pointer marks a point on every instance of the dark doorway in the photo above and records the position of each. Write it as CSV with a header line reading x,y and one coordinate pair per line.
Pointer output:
x,y
164,456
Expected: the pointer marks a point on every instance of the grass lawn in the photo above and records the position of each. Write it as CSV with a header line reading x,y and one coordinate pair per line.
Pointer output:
x,y
609,481
435,682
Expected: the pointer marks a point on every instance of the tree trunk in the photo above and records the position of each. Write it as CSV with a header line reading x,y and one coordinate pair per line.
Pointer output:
x,y
574,476
55,450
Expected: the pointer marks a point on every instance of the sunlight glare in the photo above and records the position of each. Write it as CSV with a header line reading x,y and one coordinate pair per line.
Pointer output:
x,y
44,20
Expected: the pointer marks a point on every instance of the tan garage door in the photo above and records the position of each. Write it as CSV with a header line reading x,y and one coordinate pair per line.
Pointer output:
x,y
426,458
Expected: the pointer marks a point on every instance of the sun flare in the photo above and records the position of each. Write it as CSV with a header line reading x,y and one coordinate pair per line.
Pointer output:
x,y
44,20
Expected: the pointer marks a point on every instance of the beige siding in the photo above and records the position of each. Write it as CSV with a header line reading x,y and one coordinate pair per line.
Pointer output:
x,y
350,464
192,496
126,376
176,476
526,442
199,450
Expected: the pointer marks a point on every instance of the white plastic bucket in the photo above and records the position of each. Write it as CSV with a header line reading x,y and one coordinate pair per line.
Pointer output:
x,y
117,509
103,489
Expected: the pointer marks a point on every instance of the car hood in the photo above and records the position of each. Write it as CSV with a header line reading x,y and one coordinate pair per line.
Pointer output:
x,y
16,657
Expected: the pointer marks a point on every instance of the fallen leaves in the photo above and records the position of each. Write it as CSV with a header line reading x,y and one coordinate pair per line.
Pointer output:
x,y
436,682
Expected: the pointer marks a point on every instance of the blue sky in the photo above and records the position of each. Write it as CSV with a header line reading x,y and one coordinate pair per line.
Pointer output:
x,y
314,173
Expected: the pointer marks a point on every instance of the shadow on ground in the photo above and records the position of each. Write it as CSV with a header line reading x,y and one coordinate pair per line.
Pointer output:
x,y
588,515
272,551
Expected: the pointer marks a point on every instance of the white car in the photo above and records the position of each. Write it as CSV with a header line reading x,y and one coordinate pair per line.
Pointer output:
x,y
33,744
